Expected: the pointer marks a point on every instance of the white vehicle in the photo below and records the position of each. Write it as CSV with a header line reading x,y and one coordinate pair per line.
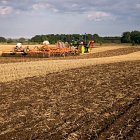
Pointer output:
x,y
19,45
45,43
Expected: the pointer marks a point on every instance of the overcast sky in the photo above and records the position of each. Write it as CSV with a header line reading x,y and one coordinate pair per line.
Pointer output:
x,y
27,18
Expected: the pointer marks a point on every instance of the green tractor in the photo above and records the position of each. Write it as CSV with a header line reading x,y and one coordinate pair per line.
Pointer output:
x,y
82,44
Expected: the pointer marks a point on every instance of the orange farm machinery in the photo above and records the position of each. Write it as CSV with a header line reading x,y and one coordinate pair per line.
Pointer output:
x,y
61,49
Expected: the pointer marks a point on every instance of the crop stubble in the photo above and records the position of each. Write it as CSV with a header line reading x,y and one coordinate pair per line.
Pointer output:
x,y
94,102
13,71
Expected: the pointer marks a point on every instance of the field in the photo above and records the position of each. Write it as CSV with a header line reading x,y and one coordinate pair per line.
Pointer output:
x,y
94,96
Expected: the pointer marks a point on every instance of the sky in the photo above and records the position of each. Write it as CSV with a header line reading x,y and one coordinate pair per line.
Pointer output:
x,y
27,18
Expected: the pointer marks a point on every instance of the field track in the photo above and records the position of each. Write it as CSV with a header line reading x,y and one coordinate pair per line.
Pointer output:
x,y
95,97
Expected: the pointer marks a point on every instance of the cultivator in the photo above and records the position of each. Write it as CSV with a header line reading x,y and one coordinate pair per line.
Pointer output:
x,y
61,49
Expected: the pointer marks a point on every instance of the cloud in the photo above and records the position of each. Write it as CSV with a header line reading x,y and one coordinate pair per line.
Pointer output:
x,y
5,10
117,8
138,5
38,6
4,2
69,16
99,16
44,6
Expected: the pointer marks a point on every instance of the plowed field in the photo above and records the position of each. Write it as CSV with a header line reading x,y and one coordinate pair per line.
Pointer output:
x,y
95,102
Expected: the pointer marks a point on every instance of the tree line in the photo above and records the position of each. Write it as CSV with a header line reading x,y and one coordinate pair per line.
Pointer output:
x,y
127,37
131,37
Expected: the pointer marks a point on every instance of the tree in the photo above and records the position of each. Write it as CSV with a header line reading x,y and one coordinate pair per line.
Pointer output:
x,y
135,37
96,38
2,39
109,39
9,40
126,37
39,38
22,40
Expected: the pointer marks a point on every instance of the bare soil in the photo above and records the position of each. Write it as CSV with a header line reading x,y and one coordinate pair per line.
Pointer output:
x,y
97,102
